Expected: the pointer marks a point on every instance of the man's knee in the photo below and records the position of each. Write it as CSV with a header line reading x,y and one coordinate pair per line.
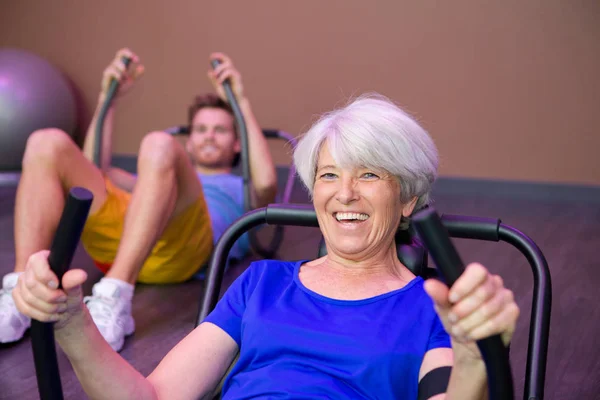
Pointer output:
x,y
46,145
158,150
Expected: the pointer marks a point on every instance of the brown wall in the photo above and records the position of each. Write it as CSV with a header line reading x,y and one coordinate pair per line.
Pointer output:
x,y
508,89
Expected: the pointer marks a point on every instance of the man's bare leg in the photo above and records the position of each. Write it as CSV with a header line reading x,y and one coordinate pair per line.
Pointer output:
x,y
52,165
166,185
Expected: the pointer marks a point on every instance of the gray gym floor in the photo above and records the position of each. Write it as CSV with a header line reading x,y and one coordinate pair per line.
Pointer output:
x,y
567,232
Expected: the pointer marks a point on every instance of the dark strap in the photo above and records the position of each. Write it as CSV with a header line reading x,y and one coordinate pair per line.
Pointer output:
x,y
434,382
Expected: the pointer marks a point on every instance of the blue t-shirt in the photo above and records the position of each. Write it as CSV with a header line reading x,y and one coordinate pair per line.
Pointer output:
x,y
295,343
224,195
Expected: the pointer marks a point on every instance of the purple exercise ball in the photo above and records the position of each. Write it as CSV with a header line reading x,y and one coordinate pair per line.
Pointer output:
x,y
33,95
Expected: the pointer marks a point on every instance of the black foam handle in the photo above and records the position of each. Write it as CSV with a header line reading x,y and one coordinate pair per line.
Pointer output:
x,y
495,355
110,95
63,248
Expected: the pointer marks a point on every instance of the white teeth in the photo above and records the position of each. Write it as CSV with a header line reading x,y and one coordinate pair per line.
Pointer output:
x,y
347,216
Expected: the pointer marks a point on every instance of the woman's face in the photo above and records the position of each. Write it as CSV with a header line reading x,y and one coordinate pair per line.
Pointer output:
x,y
358,209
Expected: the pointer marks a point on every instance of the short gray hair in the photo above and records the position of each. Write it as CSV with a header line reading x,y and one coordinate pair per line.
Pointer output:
x,y
373,132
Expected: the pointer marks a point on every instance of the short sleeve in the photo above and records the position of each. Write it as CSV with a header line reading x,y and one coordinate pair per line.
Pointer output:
x,y
229,311
438,337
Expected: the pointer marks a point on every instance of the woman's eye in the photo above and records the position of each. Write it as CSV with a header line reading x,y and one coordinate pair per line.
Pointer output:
x,y
328,175
370,175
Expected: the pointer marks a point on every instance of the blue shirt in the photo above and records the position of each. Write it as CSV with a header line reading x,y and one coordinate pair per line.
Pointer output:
x,y
295,343
224,195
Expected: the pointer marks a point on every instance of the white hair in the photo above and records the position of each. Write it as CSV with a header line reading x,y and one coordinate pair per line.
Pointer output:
x,y
373,132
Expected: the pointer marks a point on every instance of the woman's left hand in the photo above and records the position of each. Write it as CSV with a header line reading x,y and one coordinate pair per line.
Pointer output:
x,y
477,306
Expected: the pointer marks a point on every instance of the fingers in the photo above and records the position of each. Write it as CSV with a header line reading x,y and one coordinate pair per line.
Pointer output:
x,y
120,72
36,293
39,269
224,70
117,67
40,296
502,323
473,276
125,52
72,281
438,292
477,306
29,310
482,315
138,71
477,297
37,296
225,74
221,57
221,69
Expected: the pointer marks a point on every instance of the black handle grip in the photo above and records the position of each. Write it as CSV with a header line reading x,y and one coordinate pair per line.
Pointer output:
x,y
271,133
110,95
495,355
178,130
63,248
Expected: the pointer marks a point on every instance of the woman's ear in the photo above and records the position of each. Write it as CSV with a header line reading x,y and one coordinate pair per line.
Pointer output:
x,y
409,207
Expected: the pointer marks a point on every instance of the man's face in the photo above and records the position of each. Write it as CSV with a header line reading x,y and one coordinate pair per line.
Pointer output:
x,y
213,142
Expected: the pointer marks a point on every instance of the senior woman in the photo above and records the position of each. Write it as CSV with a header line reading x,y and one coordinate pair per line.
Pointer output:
x,y
353,324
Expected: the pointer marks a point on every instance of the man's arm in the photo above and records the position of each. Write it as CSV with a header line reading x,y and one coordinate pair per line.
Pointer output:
x,y
90,138
262,169
126,77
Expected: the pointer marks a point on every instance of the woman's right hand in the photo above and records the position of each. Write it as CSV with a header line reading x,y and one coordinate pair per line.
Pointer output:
x,y
126,76
37,295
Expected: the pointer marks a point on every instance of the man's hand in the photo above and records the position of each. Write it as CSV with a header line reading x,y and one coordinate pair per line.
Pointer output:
x,y
225,71
126,76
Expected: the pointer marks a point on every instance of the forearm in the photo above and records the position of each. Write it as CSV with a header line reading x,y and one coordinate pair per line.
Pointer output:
x,y
262,168
103,373
468,379
106,142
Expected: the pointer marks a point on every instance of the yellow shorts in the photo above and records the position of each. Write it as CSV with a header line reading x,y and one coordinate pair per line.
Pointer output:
x,y
183,248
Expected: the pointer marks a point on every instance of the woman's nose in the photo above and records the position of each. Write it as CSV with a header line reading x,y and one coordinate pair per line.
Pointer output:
x,y
348,191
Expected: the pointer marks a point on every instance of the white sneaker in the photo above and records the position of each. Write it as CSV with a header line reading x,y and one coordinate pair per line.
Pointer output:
x,y
13,324
110,308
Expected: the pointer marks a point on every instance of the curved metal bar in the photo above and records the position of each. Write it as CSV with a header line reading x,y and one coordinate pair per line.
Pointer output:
x,y
216,267
539,325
